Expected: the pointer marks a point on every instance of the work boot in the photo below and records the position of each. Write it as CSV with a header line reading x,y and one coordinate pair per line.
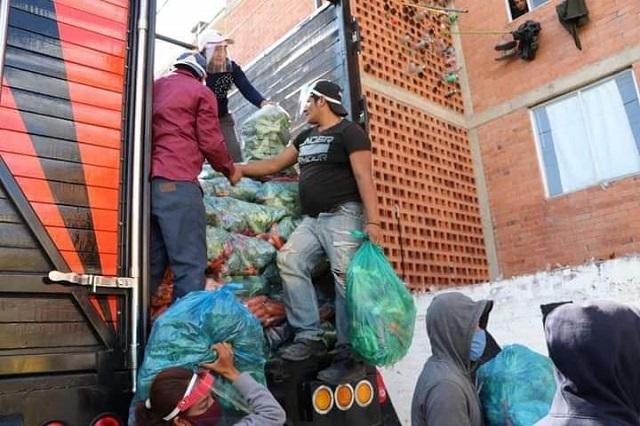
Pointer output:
x,y
345,368
303,349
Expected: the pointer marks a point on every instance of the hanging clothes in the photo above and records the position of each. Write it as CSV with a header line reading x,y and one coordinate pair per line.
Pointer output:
x,y
527,36
573,14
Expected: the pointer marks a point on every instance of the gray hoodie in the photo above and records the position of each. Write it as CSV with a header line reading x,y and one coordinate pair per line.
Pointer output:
x,y
445,394
265,409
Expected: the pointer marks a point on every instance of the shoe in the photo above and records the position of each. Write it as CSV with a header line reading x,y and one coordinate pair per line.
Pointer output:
x,y
345,368
303,349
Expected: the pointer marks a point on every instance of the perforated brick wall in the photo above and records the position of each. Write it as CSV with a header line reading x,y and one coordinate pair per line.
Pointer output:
x,y
390,31
423,166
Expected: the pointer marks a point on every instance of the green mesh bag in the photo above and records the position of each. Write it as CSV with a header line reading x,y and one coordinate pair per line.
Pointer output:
x,y
380,309
240,216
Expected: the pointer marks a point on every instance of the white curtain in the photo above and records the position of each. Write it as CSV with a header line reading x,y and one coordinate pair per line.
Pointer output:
x,y
570,142
613,142
592,137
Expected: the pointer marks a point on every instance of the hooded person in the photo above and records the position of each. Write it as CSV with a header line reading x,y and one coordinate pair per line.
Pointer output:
x,y
596,351
445,394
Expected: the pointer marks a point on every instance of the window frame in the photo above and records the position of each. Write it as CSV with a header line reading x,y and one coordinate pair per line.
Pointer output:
x,y
531,9
541,164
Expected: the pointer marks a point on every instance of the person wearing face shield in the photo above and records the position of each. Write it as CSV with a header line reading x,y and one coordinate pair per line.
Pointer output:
x,y
222,73
445,394
180,397
338,196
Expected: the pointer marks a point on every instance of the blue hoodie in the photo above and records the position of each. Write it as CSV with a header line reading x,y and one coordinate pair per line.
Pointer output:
x,y
596,351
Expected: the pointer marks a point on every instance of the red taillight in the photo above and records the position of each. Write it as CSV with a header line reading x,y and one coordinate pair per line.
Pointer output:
x,y
107,420
55,423
382,390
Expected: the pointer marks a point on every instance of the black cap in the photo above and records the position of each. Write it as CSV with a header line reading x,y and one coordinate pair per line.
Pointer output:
x,y
332,94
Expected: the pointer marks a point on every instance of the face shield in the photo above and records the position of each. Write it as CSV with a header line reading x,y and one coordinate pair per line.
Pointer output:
x,y
325,89
202,384
218,57
305,93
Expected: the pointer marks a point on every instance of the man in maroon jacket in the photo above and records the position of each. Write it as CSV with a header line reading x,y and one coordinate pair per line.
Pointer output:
x,y
186,131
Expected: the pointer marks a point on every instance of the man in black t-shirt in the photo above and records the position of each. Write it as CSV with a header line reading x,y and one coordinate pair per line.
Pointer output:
x,y
337,196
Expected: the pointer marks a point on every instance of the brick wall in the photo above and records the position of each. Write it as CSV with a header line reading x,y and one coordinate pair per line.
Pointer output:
x,y
257,24
390,33
422,166
534,232
614,25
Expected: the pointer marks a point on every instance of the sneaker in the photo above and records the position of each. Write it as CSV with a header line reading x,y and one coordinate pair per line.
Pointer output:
x,y
303,349
345,368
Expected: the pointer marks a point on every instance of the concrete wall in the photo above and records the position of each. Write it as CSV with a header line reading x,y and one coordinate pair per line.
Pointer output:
x,y
516,316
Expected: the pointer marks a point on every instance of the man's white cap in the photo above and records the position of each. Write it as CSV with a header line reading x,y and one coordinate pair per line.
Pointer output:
x,y
212,37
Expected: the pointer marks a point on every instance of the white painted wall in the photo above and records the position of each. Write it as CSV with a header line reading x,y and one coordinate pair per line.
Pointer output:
x,y
516,316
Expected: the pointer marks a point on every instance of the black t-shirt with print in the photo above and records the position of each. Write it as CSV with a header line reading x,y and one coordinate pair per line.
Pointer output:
x,y
326,177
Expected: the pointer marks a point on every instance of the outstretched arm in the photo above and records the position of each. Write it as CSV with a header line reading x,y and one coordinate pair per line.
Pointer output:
x,y
286,158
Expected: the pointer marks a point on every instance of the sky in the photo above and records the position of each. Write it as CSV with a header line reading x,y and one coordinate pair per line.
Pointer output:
x,y
175,19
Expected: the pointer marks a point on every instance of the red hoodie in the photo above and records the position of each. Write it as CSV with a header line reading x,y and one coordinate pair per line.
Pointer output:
x,y
186,129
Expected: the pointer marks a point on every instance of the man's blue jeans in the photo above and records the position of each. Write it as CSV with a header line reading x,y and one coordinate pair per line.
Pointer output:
x,y
178,235
326,236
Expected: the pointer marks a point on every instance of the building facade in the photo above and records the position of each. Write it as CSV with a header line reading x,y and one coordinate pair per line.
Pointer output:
x,y
558,137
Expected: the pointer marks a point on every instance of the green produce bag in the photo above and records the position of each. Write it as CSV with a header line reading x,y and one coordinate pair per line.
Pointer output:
x,y
240,216
183,335
249,255
246,286
380,309
265,133
236,254
516,387
218,243
244,190
280,194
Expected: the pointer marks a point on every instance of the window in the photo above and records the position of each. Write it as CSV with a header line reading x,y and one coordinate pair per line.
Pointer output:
x,y
517,8
590,136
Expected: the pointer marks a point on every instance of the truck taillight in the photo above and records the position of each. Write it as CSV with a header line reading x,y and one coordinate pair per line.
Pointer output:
x,y
344,397
106,420
382,390
364,393
322,400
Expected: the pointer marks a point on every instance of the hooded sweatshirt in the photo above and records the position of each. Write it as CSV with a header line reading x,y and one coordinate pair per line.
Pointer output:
x,y
445,394
596,351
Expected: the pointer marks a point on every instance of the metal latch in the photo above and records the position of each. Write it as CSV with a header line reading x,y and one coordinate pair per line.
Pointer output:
x,y
356,36
93,281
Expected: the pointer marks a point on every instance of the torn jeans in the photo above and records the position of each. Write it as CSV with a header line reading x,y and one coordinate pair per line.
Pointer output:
x,y
327,236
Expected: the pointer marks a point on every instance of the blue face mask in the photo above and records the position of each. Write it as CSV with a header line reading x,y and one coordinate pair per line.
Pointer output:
x,y
478,344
